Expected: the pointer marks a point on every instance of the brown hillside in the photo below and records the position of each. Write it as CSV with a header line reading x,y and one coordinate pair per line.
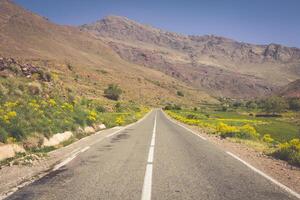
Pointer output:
x,y
85,64
291,90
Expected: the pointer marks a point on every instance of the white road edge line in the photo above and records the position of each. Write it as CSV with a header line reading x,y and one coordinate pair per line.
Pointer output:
x,y
265,175
147,187
69,159
177,123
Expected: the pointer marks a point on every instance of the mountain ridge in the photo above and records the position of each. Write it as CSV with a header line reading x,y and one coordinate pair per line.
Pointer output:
x,y
174,53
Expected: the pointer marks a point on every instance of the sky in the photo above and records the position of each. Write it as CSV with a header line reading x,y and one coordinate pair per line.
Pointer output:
x,y
252,21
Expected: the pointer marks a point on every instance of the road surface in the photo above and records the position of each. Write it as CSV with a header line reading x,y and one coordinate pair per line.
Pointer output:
x,y
153,159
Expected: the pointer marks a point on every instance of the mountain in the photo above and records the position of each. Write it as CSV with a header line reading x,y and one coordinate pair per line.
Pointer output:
x,y
83,63
147,62
291,90
219,65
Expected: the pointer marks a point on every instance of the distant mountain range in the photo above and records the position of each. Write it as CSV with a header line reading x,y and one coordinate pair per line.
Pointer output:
x,y
219,65
154,62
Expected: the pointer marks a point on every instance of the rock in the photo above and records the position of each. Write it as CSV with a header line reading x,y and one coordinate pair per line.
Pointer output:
x,y
10,150
35,88
17,148
89,129
99,127
80,130
6,151
102,126
33,142
57,139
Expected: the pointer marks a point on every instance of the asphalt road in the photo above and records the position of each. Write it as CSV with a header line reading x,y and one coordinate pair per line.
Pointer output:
x,y
153,159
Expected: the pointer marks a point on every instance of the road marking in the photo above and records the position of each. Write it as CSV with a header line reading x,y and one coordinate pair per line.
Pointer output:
x,y
177,123
69,159
265,175
84,149
147,187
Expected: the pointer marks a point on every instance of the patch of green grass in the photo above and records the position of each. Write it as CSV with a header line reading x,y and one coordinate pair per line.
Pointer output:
x,y
279,130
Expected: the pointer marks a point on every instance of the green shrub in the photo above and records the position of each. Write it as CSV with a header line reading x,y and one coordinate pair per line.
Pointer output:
x,y
100,108
294,104
172,107
289,151
180,93
3,135
118,107
273,104
191,116
113,92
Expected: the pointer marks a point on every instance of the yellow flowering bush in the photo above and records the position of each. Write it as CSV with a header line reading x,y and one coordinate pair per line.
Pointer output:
x,y
289,151
248,132
34,105
227,131
120,120
52,102
268,139
91,117
10,104
67,107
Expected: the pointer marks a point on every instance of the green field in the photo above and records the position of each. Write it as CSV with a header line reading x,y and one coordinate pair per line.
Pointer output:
x,y
281,130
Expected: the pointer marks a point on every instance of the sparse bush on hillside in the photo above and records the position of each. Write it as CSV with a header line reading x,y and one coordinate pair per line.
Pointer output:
x,y
180,93
113,92
118,107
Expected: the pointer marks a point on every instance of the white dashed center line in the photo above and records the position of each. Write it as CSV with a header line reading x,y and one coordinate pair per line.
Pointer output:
x,y
147,188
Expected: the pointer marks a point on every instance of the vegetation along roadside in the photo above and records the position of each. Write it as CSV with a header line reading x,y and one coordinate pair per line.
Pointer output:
x,y
36,106
270,125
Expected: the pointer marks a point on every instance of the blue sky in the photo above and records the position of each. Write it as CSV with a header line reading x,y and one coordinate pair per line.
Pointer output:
x,y
253,21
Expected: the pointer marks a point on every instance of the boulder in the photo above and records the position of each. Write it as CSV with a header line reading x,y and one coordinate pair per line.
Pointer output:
x,y
89,129
10,150
57,139
98,127
102,126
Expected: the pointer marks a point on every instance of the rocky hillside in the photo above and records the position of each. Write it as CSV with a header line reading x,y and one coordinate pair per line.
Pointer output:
x,y
84,64
291,90
216,64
